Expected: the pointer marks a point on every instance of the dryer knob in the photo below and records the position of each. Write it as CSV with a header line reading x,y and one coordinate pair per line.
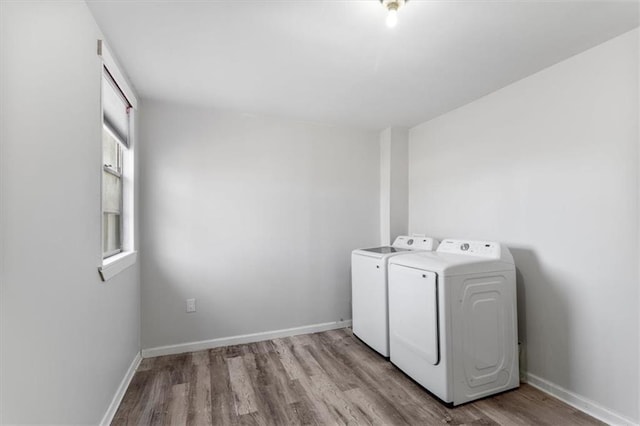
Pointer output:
x,y
464,247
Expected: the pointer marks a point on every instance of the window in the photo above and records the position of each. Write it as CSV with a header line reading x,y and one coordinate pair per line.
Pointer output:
x,y
111,194
115,140
117,169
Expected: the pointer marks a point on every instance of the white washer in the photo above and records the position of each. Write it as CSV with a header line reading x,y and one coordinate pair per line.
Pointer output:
x,y
369,290
452,319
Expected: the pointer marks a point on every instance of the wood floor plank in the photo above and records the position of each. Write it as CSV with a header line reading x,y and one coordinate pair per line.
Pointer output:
x,y
369,408
330,359
290,363
303,357
134,399
327,378
222,403
178,405
327,401
199,410
234,351
270,401
304,415
277,376
304,409
177,367
147,364
154,408
254,419
368,366
243,395
531,406
200,358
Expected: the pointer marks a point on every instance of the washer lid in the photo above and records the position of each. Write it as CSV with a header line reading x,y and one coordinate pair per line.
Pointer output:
x,y
402,244
380,252
384,250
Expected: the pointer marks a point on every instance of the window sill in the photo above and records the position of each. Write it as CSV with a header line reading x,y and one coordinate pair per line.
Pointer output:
x,y
113,265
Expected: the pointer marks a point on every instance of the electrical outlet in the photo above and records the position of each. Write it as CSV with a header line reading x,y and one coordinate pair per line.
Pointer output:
x,y
191,305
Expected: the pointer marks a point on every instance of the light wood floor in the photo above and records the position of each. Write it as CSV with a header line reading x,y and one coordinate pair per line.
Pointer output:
x,y
324,378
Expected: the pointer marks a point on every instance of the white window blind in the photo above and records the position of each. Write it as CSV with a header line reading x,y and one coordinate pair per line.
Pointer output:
x,y
115,109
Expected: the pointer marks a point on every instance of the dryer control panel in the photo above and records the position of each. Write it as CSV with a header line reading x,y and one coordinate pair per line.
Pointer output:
x,y
415,243
488,249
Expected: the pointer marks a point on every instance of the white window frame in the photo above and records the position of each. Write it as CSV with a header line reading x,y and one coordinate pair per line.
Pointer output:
x,y
113,265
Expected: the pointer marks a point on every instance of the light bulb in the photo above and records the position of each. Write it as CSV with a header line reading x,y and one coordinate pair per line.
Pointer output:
x,y
392,18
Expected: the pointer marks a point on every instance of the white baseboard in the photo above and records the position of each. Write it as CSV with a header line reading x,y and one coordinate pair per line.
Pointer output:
x,y
578,401
245,338
117,398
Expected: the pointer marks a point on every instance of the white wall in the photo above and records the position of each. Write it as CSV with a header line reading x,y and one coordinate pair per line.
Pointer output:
x,y
399,182
549,165
254,217
385,187
67,338
394,184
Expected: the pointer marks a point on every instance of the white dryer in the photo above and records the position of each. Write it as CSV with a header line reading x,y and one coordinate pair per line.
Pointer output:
x,y
369,290
452,319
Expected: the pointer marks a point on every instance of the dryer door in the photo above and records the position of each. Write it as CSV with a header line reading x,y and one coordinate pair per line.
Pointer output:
x,y
413,314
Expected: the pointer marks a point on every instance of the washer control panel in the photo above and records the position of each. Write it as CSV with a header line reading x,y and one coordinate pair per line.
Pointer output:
x,y
415,243
488,249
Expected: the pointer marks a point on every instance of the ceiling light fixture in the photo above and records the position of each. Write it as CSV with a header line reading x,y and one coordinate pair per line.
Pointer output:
x,y
392,10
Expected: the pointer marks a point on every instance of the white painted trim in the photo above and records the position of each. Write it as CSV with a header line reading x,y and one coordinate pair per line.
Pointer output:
x,y
245,338
117,398
586,405
116,264
112,65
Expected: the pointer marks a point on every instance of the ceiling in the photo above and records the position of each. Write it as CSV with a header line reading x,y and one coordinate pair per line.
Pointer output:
x,y
336,62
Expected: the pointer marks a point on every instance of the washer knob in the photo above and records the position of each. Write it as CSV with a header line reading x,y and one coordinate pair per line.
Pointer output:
x,y
464,247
